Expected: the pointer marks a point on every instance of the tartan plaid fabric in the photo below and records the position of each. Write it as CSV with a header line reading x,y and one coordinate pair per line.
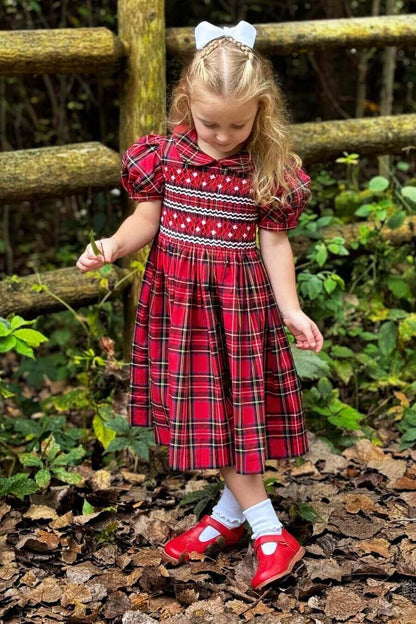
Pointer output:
x,y
212,370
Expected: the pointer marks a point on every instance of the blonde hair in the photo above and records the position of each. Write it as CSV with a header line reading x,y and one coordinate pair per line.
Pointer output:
x,y
227,67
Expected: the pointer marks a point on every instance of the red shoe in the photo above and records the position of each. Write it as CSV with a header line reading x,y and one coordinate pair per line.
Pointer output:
x,y
279,563
177,550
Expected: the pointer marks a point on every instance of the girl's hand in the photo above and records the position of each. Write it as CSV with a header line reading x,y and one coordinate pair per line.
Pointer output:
x,y
304,330
88,261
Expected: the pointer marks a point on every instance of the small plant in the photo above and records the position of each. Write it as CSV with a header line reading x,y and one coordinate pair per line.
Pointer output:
x,y
407,426
136,440
15,336
204,498
46,463
50,462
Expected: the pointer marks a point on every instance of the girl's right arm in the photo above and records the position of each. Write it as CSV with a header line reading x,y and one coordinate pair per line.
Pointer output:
x,y
134,233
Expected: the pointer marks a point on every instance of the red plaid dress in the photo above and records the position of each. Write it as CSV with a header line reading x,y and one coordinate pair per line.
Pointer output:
x,y
212,370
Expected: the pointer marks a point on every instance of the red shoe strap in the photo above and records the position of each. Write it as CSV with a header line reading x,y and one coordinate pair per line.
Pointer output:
x,y
263,539
225,531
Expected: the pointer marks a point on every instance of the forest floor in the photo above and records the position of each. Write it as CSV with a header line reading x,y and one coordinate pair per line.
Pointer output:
x,y
57,565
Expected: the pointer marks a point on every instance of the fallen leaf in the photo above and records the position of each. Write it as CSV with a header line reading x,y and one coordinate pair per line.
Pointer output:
x,y
40,512
377,545
47,591
327,569
358,502
342,604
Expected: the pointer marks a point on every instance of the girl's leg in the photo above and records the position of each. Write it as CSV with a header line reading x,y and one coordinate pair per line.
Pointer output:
x,y
257,508
247,489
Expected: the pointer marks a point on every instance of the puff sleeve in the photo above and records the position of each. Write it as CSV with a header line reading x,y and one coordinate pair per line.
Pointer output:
x,y
141,168
277,216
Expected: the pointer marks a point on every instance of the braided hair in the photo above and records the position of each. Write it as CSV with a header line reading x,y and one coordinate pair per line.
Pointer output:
x,y
228,68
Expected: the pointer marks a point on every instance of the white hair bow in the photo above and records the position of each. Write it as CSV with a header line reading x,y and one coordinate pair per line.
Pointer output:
x,y
206,32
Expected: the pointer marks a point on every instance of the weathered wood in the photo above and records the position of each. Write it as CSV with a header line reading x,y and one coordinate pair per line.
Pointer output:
x,y
73,287
288,37
78,289
142,102
58,171
60,51
64,170
324,141
350,231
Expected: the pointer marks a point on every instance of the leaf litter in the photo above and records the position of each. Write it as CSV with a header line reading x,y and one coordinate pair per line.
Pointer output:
x,y
92,553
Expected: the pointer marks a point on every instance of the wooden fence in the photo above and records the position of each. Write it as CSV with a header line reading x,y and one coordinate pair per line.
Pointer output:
x,y
138,53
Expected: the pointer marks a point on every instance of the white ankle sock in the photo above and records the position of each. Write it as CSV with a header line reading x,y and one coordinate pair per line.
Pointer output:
x,y
263,520
227,511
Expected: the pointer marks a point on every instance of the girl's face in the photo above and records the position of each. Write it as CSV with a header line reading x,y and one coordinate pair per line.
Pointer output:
x,y
222,123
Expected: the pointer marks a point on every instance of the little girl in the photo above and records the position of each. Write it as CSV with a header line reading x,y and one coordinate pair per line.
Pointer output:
x,y
212,371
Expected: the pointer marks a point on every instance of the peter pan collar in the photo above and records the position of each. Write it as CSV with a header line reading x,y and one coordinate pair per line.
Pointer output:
x,y
187,146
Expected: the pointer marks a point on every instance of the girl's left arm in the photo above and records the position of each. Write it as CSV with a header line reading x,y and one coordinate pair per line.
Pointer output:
x,y
277,255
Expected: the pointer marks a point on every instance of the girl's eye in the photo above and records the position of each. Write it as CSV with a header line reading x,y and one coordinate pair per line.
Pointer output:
x,y
239,126
209,125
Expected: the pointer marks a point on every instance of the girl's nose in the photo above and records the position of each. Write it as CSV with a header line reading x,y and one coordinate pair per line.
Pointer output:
x,y
222,138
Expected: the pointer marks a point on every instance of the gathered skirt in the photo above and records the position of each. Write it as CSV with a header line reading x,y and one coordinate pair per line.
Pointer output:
x,y
212,370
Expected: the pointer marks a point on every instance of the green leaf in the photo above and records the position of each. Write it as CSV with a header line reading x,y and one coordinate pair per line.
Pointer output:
x,y
141,449
118,444
73,478
396,219
18,321
22,348
364,210
344,369
325,387
32,337
409,417
399,287
409,436
7,343
118,424
321,254
93,245
387,337
4,329
409,192
87,508
407,327
43,478
30,459
53,449
403,166
66,459
307,512
329,284
342,352
344,416
103,433
19,484
378,184
309,365
314,286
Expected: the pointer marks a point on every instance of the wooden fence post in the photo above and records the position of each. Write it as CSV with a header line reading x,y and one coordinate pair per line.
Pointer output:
x,y
142,104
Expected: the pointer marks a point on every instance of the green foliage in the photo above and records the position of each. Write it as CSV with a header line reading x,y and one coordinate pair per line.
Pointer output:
x,y
306,511
203,499
137,440
408,427
49,461
14,336
45,463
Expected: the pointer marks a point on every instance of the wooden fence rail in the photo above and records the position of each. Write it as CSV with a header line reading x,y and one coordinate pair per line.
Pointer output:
x,y
289,37
79,290
139,52
88,50
81,167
